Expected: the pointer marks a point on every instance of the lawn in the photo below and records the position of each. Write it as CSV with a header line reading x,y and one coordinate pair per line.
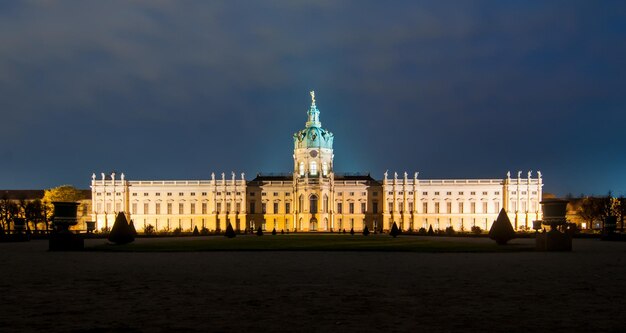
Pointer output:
x,y
313,242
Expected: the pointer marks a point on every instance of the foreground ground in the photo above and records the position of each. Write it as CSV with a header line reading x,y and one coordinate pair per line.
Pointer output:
x,y
312,291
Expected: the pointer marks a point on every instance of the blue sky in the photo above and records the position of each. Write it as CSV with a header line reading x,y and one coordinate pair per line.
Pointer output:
x,y
180,89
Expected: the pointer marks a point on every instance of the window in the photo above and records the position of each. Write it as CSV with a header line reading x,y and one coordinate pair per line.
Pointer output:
x,y
533,192
436,208
363,207
496,205
448,207
145,194
301,169
484,207
390,193
424,193
400,193
264,208
118,207
461,210
313,204
324,168
351,194
339,208
134,194
411,206
364,194
192,208
275,211
109,208
180,194
313,168
497,193
145,208
169,194
133,208
514,205
169,208
460,193
391,206
473,207
400,206
448,193
514,192
193,194
523,206
238,207
523,192
204,193
263,194
425,207
472,193
436,193
227,193
275,194
325,204
204,208
339,194
218,207
375,207
108,194
157,208
228,207
238,193
252,207
181,208
287,208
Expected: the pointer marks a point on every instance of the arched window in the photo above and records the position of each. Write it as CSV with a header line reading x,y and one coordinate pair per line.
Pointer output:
x,y
301,204
313,168
313,204
301,170
325,169
325,204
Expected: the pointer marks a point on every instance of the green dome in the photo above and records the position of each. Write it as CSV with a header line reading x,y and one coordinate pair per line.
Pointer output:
x,y
313,136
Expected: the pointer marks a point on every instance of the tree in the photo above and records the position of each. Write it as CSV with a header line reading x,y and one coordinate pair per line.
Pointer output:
x,y
501,230
121,232
66,193
394,230
259,231
274,231
351,231
8,210
366,231
195,231
430,230
230,233
131,225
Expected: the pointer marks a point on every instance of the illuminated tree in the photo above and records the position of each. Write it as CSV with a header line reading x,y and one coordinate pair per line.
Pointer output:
x,y
121,232
501,230
8,210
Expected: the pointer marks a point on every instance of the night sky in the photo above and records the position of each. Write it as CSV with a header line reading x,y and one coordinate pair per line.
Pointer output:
x,y
177,90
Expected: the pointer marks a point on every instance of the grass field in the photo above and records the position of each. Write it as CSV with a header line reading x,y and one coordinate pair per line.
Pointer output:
x,y
308,242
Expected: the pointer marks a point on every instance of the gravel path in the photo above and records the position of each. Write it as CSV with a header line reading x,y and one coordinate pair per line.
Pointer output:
x,y
312,291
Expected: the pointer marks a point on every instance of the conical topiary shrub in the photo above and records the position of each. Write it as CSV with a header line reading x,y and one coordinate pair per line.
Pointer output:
x,y
501,230
274,231
351,231
259,231
366,231
121,232
430,231
195,231
394,230
131,225
230,233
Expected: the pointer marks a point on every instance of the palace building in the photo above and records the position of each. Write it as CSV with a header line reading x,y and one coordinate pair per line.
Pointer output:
x,y
315,198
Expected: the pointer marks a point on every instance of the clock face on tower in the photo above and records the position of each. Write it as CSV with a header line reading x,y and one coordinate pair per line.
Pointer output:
x,y
313,153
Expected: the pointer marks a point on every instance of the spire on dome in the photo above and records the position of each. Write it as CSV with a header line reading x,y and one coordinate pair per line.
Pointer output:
x,y
314,113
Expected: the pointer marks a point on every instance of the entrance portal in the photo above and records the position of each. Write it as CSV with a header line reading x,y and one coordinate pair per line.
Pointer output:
x,y
313,224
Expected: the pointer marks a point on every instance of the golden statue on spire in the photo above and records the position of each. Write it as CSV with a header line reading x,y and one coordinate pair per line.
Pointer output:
x,y
312,92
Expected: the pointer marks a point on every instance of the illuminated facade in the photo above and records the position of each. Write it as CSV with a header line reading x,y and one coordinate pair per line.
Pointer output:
x,y
315,198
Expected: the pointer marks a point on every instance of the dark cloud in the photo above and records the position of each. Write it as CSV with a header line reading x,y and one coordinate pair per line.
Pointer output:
x,y
166,89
